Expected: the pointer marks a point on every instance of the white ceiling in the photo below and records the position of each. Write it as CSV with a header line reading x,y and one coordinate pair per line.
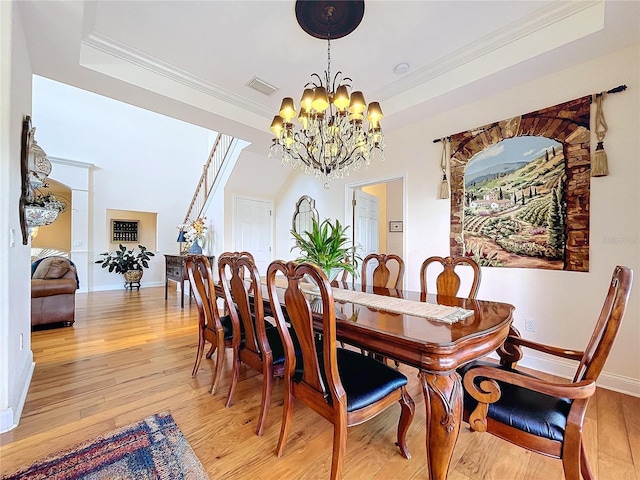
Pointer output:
x,y
192,59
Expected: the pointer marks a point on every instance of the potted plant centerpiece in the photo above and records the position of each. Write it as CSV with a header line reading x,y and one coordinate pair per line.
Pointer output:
x,y
327,246
127,262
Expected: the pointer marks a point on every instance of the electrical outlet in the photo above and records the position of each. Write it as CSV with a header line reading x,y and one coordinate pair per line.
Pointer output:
x,y
529,324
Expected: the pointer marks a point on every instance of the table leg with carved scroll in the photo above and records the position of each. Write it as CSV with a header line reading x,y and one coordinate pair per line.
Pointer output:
x,y
443,402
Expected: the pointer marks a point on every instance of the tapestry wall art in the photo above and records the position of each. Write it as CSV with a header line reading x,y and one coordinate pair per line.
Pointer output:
x,y
520,190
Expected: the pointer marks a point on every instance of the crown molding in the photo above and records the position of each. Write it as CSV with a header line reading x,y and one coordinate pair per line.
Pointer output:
x,y
521,29
137,58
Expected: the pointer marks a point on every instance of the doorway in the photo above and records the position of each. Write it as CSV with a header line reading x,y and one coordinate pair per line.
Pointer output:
x,y
252,230
371,209
55,237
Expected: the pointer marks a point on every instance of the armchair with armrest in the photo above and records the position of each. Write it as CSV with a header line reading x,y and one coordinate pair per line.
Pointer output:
x,y
541,416
54,282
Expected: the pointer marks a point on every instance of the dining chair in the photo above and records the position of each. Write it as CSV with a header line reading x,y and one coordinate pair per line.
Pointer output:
x,y
256,342
343,386
448,281
381,275
545,416
212,327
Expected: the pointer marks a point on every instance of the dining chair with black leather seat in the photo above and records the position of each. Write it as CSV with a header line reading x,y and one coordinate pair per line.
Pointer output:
x,y
256,341
381,275
543,416
448,281
343,386
212,327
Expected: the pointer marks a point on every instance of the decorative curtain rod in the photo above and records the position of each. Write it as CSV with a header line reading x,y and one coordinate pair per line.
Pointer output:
x,y
619,88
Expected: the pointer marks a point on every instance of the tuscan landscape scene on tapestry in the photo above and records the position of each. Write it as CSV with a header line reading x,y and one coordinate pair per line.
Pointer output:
x,y
514,204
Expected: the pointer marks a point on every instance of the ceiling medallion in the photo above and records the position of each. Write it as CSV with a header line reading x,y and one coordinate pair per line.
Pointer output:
x,y
332,139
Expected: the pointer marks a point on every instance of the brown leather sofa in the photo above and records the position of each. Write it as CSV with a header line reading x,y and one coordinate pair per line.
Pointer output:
x,y
54,281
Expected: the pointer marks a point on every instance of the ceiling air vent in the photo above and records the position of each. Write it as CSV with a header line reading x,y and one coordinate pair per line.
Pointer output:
x,y
261,86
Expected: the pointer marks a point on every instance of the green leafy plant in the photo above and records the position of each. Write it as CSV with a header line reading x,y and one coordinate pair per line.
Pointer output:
x,y
123,260
327,246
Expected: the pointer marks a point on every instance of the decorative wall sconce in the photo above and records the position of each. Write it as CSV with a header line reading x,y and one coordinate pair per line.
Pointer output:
x,y
39,165
35,209
25,192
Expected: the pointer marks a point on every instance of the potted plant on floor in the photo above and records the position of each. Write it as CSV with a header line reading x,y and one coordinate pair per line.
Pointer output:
x,y
327,246
127,262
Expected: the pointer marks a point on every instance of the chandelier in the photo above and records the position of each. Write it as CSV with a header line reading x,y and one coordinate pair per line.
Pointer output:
x,y
331,138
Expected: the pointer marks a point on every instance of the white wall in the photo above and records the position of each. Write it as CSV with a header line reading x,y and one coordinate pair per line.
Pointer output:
x,y
565,305
16,359
142,161
395,240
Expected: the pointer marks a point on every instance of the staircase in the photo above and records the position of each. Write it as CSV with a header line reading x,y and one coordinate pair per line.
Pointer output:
x,y
209,176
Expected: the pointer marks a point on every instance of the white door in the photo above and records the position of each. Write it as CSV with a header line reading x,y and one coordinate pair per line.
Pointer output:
x,y
366,218
252,230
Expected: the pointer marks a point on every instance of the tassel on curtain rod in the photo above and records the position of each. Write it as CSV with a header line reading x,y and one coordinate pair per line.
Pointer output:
x,y
619,88
444,160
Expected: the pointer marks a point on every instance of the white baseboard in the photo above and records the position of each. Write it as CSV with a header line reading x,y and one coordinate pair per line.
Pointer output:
x,y
9,417
7,421
120,286
567,369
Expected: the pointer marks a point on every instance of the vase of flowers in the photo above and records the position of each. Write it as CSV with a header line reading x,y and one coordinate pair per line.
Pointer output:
x,y
194,234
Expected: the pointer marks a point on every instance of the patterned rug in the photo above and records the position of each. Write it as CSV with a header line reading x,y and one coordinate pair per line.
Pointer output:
x,y
153,448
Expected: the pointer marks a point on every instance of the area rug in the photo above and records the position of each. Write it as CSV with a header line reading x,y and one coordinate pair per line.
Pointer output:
x,y
151,449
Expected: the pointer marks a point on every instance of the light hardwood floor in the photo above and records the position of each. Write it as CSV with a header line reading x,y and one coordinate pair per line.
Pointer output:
x,y
130,355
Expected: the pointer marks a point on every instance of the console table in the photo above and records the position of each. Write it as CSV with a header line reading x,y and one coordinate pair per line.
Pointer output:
x,y
175,269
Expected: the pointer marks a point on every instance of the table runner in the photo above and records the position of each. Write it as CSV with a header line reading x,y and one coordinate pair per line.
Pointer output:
x,y
441,313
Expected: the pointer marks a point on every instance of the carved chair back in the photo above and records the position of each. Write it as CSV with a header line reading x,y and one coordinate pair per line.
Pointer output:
x,y
448,281
381,275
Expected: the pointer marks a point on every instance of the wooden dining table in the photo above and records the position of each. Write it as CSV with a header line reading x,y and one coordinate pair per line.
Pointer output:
x,y
436,348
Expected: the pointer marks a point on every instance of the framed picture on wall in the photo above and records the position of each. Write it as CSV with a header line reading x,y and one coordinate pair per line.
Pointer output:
x,y
124,230
395,226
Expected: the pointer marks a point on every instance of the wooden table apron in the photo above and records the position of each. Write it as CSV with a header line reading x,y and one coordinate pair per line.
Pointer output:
x,y
436,349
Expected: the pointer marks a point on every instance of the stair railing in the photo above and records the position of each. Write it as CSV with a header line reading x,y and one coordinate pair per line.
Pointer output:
x,y
210,172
